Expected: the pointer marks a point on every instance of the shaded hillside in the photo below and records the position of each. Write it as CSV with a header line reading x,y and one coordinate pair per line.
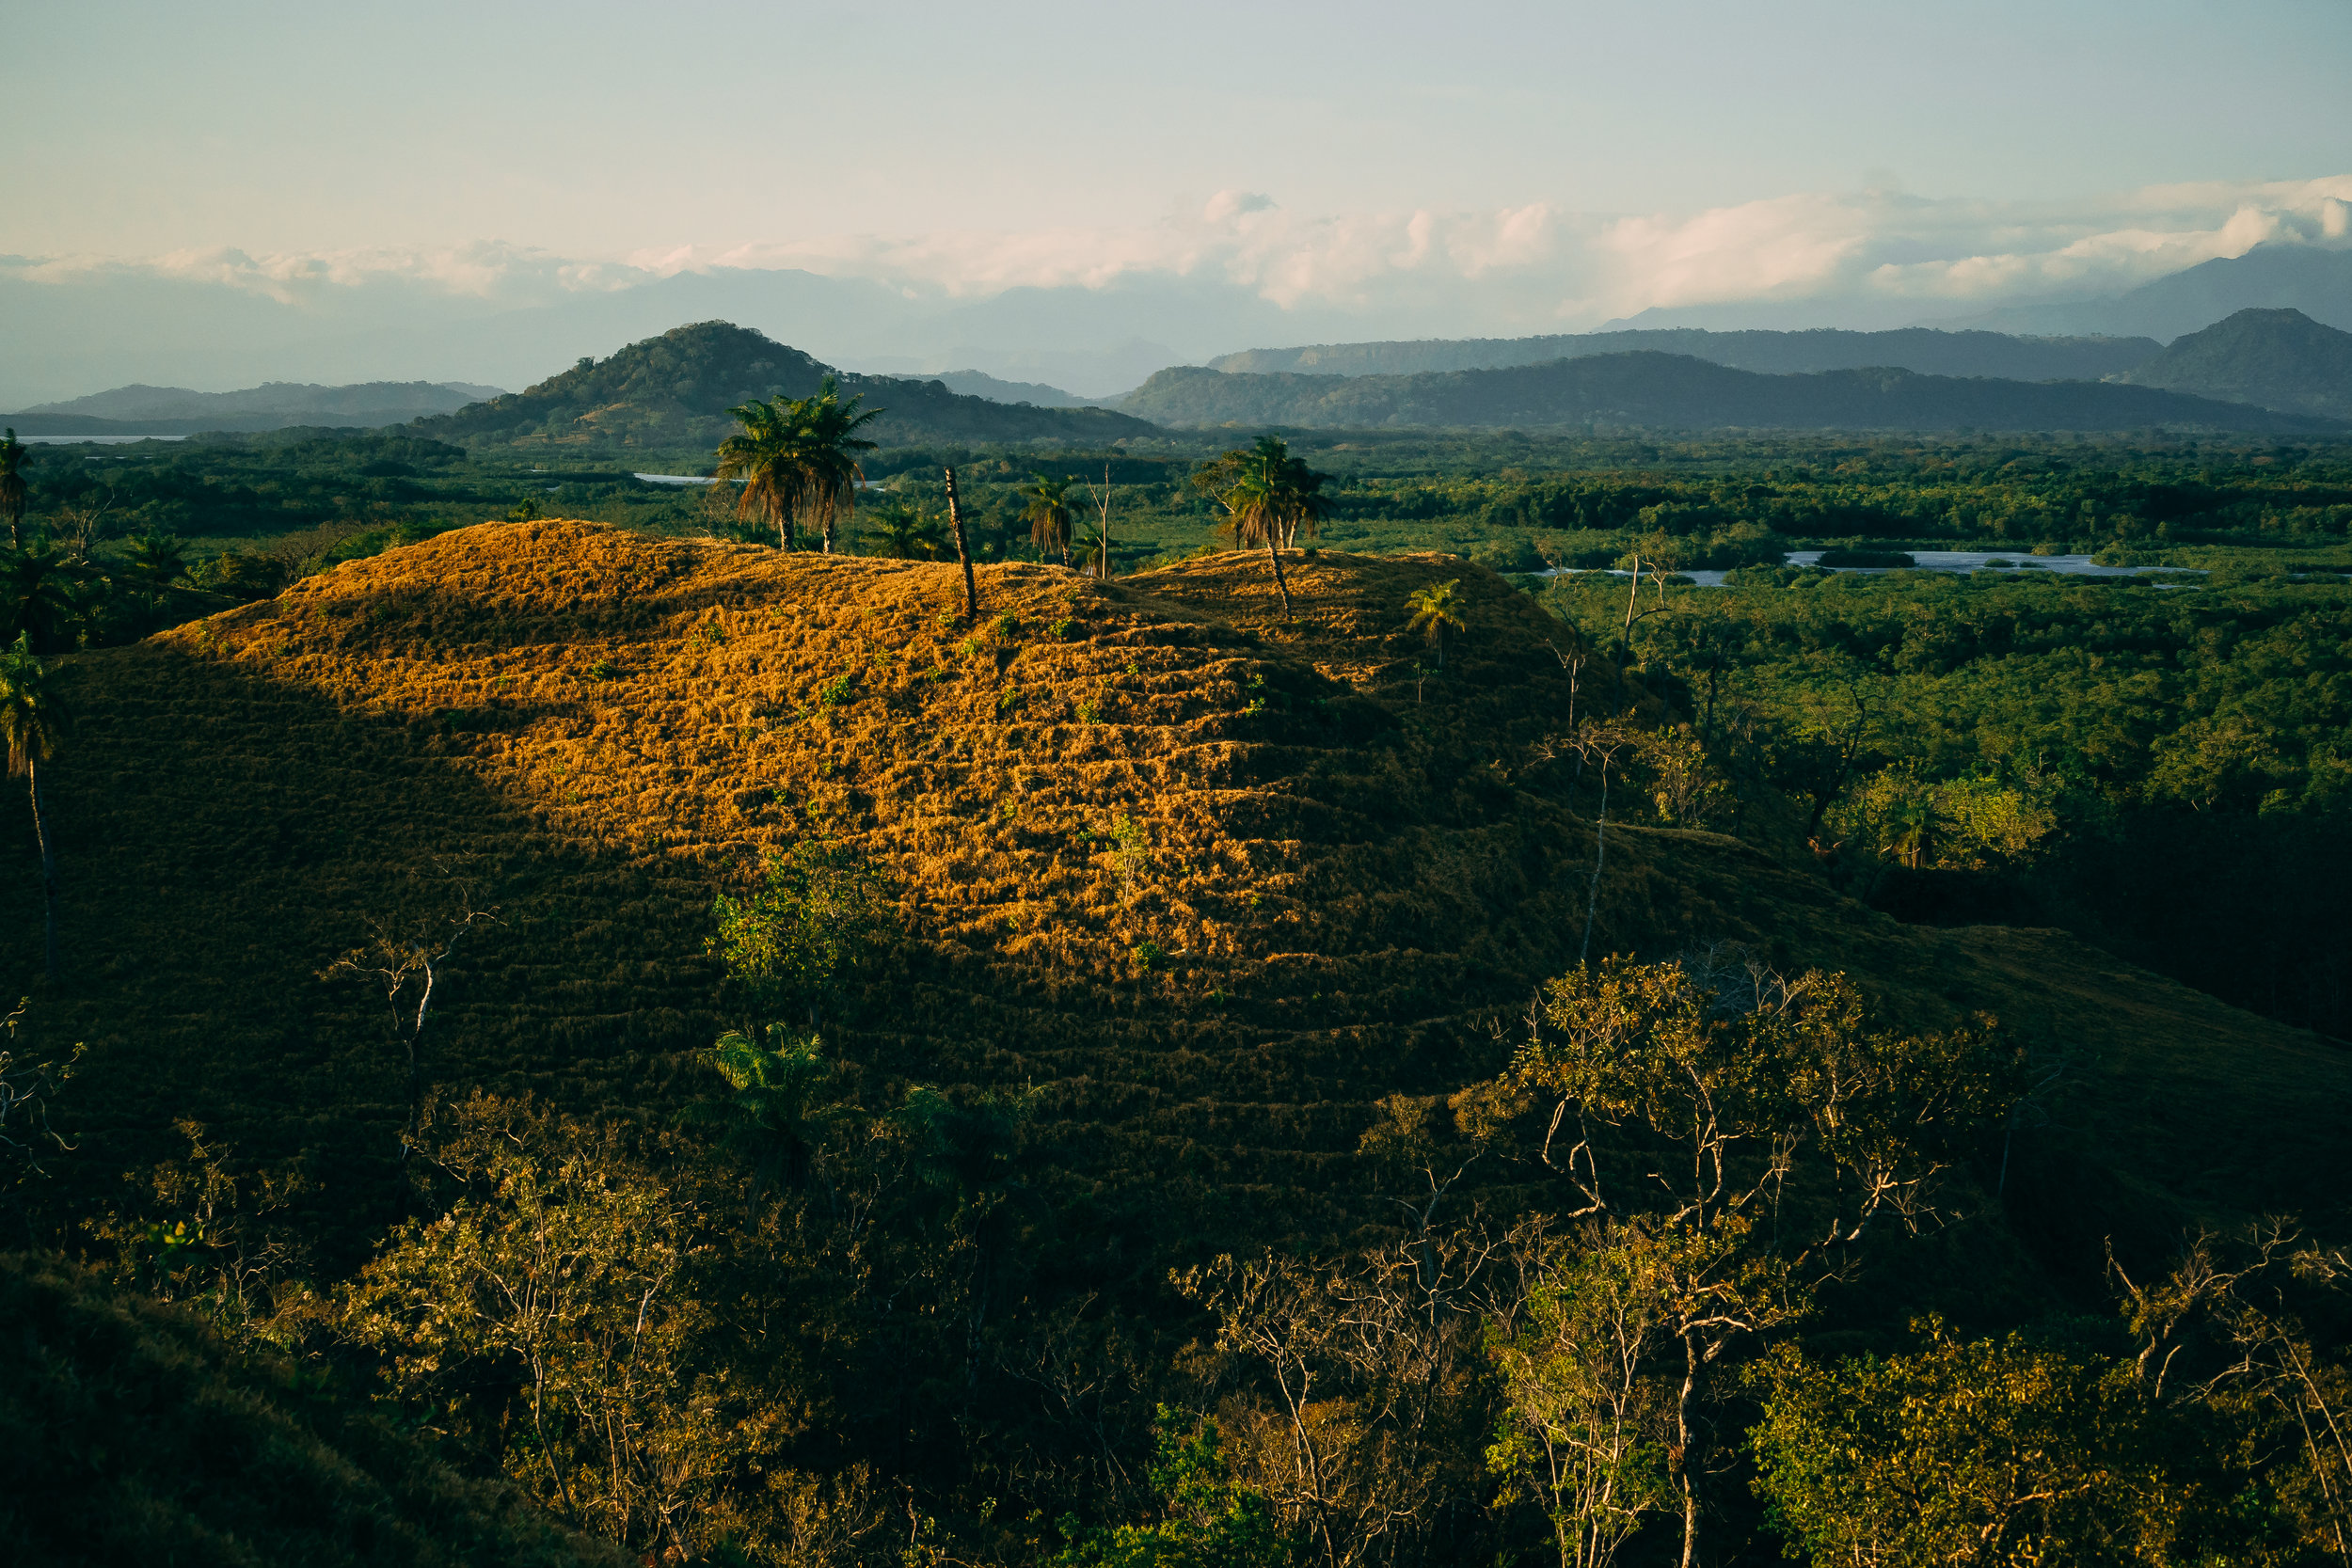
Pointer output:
x,y
1666,391
135,1437
675,390
1211,882
1917,348
2277,358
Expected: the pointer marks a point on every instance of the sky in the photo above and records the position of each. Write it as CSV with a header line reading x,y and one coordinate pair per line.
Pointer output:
x,y
1378,169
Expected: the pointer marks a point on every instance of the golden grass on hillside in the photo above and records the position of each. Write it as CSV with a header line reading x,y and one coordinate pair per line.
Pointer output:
x,y
1214,880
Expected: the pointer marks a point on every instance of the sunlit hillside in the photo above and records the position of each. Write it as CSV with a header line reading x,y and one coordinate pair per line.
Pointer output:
x,y
1213,881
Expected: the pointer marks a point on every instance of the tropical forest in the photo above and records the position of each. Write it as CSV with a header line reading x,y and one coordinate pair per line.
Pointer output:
x,y
727,961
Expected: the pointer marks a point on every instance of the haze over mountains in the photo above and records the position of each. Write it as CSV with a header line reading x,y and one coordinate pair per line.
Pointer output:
x,y
1921,349
236,320
273,406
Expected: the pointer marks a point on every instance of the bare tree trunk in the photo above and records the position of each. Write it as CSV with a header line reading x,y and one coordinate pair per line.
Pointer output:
x,y
1600,857
1276,556
48,871
1686,1437
955,517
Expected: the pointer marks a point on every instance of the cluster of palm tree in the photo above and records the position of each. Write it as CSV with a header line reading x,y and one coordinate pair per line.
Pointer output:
x,y
903,533
796,461
1270,498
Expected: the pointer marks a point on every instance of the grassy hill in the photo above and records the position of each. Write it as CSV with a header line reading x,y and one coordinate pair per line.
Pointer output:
x,y
1669,392
136,1437
2277,359
1211,881
675,390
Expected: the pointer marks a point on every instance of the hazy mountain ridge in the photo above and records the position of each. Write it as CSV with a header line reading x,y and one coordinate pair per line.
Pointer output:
x,y
2277,358
2304,278
1928,351
979,383
140,409
305,399
1678,391
675,390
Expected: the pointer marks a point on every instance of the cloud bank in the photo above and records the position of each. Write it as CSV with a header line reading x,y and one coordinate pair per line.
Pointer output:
x,y
1243,264
1538,264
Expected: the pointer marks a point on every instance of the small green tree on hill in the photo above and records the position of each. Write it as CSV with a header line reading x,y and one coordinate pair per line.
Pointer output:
x,y
1048,515
822,907
797,459
34,723
1437,610
1269,497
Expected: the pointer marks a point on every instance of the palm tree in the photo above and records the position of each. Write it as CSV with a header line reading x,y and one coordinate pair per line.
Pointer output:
x,y
12,487
1435,608
784,1100
1048,515
905,534
797,458
158,559
33,723
1270,497
38,598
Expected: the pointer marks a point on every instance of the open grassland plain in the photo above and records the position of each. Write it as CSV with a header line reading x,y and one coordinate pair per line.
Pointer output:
x,y
1211,881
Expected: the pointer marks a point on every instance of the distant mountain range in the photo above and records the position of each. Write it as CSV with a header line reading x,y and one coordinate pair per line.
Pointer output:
x,y
675,390
1928,351
979,383
2304,278
271,405
1669,392
2277,359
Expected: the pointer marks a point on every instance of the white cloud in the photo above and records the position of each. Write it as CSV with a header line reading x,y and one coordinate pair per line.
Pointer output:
x,y
1534,267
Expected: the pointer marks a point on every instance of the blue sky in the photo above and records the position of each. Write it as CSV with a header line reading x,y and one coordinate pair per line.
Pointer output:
x,y
1471,168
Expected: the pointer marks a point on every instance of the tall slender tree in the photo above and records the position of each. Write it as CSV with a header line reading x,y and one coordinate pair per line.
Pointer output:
x,y
1048,515
797,458
12,490
1269,497
1437,610
34,723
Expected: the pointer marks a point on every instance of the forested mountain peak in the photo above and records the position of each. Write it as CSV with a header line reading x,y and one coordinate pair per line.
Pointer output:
x,y
2276,358
675,390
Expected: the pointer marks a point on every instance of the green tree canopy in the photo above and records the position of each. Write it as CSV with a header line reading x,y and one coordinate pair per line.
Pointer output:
x,y
797,459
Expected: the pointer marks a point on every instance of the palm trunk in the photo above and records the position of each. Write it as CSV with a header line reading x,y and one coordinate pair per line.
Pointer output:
x,y
964,554
48,872
1065,545
1276,556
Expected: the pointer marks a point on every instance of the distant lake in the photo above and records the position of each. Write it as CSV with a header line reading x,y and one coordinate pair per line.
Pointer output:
x,y
92,440
1927,560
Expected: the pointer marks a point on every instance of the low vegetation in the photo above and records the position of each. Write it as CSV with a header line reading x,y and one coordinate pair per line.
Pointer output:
x,y
601,1039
